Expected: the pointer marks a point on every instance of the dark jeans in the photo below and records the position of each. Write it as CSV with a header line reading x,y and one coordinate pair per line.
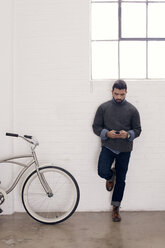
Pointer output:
x,y
104,170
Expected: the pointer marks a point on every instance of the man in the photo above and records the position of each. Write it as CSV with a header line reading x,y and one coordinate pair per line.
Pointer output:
x,y
117,122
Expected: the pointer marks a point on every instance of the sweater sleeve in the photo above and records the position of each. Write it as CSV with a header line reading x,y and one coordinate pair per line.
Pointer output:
x,y
98,123
136,126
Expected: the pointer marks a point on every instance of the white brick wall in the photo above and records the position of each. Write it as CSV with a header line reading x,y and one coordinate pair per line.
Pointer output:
x,y
6,109
47,93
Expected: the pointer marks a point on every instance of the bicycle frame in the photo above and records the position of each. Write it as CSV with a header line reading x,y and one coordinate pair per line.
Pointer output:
x,y
26,167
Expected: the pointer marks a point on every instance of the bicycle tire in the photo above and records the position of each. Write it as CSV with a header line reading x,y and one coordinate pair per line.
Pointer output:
x,y
51,210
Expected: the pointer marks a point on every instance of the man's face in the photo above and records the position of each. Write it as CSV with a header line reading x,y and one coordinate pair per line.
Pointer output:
x,y
119,95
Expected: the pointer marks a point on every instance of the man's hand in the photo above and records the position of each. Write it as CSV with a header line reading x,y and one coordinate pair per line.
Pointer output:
x,y
112,134
123,134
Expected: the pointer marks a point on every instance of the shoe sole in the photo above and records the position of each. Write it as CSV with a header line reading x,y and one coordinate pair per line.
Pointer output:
x,y
116,220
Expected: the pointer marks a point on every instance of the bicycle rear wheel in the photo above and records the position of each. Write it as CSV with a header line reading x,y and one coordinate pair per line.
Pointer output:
x,y
55,209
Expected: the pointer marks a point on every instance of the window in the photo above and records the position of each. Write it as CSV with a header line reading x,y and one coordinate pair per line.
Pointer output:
x,y
128,39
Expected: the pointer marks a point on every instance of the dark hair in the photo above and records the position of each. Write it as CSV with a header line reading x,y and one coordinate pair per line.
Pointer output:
x,y
119,84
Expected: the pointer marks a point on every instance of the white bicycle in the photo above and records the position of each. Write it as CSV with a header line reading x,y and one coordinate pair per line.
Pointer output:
x,y
50,194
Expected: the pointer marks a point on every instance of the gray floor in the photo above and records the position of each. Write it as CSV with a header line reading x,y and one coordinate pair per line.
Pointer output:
x,y
85,230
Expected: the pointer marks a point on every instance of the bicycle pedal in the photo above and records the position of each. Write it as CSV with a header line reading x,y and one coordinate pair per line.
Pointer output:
x,y
1,211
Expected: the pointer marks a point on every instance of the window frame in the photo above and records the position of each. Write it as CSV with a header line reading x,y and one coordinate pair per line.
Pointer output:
x,y
121,38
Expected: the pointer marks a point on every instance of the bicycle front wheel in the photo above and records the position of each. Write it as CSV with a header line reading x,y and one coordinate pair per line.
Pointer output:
x,y
51,209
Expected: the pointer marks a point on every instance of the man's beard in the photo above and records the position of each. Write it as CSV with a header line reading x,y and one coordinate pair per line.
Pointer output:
x,y
118,100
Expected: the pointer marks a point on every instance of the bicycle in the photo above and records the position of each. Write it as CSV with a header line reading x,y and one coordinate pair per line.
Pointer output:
x,y
50,194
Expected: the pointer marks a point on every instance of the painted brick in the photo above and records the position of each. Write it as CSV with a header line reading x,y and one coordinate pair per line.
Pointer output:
x,y
48,94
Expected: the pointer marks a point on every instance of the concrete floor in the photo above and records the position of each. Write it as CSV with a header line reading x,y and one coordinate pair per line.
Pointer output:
x,y
85,230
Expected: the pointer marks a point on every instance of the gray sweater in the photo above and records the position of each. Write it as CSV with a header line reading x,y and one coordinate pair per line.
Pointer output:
x,y
117,116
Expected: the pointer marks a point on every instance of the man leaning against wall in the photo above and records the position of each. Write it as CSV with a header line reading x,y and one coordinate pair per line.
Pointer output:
x,y
117,123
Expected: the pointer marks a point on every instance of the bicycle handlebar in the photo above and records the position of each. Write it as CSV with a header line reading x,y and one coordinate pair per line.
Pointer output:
x,y
12,134
30,139
28,136
16,135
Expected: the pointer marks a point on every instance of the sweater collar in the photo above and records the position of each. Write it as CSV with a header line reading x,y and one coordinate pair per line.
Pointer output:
x,y
120,102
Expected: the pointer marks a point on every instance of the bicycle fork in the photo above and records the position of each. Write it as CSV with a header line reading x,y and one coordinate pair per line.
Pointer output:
x,y
41,177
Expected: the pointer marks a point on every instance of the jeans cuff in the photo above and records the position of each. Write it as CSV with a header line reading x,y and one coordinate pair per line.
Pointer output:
x,y
115,203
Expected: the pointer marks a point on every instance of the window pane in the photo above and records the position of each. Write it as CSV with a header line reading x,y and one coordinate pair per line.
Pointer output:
x,y
156,0
104,60
156,20
104,21
156,61
133,0
132,59
139,0
104,1
133,26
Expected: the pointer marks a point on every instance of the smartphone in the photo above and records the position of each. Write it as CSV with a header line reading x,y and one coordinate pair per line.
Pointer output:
x,y
117,132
